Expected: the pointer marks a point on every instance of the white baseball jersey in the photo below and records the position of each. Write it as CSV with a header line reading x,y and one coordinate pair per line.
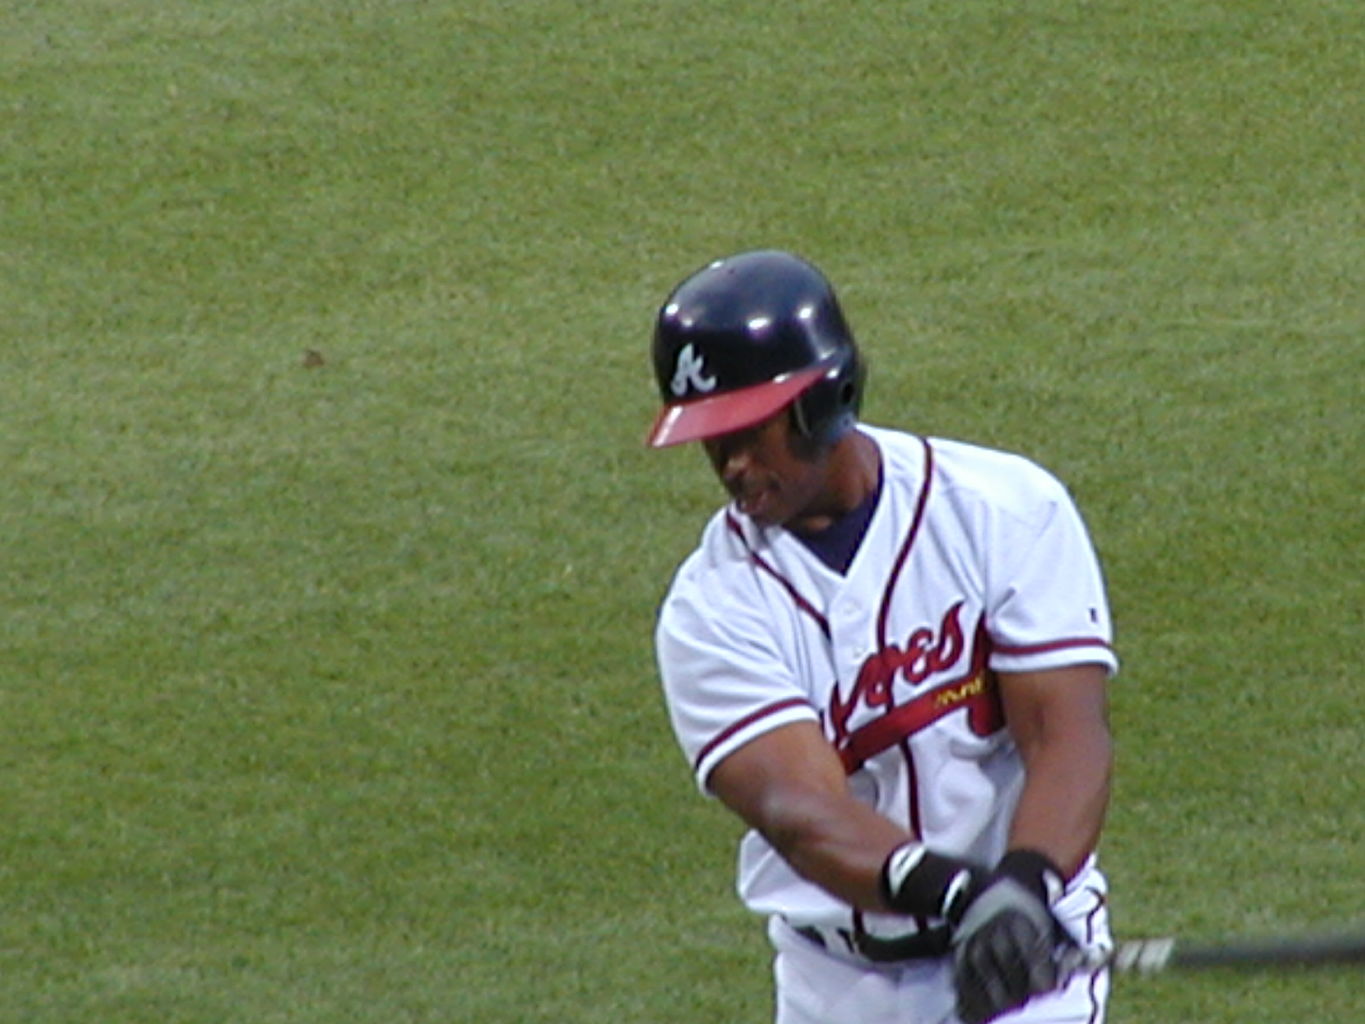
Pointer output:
x,y
974,562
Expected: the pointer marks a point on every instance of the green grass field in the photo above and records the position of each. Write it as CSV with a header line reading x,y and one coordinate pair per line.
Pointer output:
x,y
328,690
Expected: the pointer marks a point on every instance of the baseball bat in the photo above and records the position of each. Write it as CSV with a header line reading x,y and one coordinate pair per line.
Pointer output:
x,y
1151,956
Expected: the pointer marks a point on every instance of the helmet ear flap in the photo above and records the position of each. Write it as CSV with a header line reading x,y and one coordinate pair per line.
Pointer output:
x,y
829,408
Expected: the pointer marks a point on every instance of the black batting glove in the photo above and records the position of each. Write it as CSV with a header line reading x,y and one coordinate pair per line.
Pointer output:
x,y
1005,944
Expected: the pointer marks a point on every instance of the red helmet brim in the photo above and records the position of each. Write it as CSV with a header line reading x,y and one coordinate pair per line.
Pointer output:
x,y
714,415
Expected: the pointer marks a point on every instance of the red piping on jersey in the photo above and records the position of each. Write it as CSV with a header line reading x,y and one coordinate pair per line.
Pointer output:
x,y
1093,913
1096,1005
745,722
786,584
923,500
888,730
1056,645
911,783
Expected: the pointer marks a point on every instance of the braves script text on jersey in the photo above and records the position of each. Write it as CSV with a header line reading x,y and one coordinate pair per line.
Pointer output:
x,y
974,562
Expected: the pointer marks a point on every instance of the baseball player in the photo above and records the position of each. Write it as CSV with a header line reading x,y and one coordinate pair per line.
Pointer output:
x,y
888,655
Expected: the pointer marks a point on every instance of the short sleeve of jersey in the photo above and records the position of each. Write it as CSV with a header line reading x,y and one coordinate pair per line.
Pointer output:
x,y
1047,606
725,678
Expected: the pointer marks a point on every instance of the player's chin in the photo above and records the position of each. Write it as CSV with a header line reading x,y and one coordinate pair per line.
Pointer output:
x,y
763,508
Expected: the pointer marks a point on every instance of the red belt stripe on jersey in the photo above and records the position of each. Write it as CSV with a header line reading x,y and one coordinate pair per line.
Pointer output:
x,y
976,692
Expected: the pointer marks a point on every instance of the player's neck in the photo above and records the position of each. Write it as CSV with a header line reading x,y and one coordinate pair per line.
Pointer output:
x,y
853,470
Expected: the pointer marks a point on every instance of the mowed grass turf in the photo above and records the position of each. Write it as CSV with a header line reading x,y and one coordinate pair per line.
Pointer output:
x,y
327,680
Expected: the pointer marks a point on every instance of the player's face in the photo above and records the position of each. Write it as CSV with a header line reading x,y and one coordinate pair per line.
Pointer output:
x,y
766,472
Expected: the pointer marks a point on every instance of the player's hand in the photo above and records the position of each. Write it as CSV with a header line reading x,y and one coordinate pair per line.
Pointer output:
x,y
1005,946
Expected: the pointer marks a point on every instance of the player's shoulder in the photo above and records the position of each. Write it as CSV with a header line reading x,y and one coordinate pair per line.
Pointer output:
x,y
714,596
991,474
973,482
992,471
718,562
996,489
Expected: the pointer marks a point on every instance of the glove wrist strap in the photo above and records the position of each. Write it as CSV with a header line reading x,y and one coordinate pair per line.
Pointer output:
x,y
1036,872
915,880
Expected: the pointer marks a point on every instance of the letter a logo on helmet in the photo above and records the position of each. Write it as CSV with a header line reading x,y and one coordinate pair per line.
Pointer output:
x,y
691,372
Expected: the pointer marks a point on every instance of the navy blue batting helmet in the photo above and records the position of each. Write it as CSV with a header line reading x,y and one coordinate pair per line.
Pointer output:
x,y
747,335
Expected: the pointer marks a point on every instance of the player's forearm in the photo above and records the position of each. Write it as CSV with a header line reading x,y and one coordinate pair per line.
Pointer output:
x,y
1059,721
790,787
1061,810
839,844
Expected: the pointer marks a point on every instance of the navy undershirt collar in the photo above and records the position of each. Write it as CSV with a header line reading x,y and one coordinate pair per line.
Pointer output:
x,y
837,543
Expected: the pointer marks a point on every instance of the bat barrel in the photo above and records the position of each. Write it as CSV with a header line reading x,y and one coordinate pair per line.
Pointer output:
x,y
1308,951
1149,956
